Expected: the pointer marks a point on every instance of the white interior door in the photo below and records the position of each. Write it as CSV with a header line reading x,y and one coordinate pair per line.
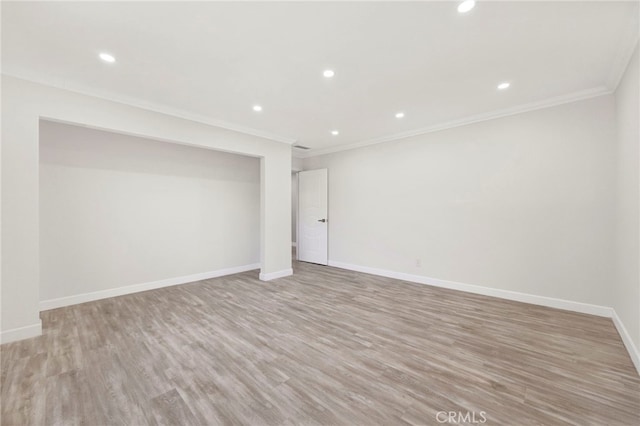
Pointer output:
x,y
312,216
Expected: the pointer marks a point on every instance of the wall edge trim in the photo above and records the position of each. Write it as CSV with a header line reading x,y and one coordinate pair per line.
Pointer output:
x,y
21,333
268,276
634,353
551,302
137,288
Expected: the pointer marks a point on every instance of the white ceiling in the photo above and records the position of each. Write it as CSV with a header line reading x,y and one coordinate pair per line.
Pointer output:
x,y
214,61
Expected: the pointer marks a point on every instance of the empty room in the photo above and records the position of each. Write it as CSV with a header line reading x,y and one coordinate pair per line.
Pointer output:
x,y
320,213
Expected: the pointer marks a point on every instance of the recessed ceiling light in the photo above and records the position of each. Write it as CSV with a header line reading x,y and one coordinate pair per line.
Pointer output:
x,y
107,58
328,73
257,108
335,132
466,6
399,114
504,85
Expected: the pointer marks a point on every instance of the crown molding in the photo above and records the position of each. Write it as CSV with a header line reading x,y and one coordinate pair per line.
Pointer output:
x,y
519,109
625,52
150,106
620,66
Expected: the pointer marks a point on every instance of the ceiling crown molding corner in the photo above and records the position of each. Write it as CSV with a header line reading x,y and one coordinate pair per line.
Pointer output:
x,y
625,52
162,109
531,106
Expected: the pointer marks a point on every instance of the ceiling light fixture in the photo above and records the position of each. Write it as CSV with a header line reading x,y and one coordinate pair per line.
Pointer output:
x,y
107,58
504,85
466,6
399,114
257,108
335,132
328,73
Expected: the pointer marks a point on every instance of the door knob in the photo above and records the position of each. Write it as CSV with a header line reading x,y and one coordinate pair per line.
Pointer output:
x,y
322,220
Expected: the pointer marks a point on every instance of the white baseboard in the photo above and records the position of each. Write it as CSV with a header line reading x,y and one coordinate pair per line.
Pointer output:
x,y
634,353
585,308
273,275
136,288
21,333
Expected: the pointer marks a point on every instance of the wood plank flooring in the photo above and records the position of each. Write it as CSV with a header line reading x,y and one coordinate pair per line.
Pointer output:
x,y
323,347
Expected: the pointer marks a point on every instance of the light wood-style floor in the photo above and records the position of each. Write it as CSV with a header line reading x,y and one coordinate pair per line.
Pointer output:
x,y
325,346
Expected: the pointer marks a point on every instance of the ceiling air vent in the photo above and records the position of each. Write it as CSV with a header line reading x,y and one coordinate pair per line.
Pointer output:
x,y
301,147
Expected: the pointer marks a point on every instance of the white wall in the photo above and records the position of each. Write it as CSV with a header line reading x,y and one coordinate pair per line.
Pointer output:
x,y
296,166
25,103
626,292
118,210
294,207
522,203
